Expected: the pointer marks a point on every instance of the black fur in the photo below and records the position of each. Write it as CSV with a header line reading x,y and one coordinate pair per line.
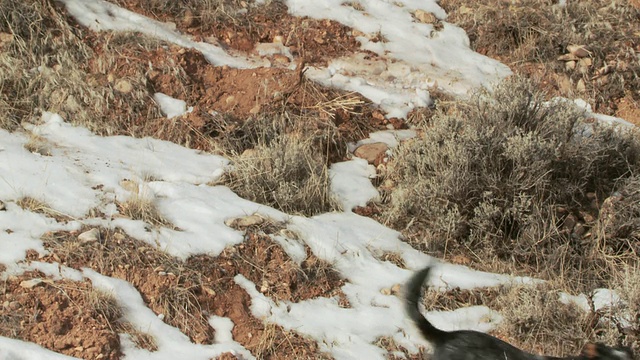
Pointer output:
x,y
475,345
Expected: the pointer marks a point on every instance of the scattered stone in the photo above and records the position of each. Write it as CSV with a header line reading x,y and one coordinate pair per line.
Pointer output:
x,y
188,20
90,236
281,59
371,152
396,289
570,222
568,57
246,221
123,86
255,110
208,290
578,50
14,305
28,284
5,39
425,17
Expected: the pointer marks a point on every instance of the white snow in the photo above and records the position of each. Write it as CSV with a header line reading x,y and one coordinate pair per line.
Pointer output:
x,y
171,107
85,171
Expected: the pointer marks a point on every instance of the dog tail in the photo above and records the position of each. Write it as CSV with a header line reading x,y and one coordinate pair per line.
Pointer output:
x,y
412,299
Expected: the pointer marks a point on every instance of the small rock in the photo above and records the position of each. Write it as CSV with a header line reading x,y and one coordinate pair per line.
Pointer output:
x,y
385,291
123,86
578,50
424,17
256,109
14,305
28,284
371,152
5,39
246,221
161,316
162,273
579,230
281,59
396,289
209,290
568,57
570,222
90,236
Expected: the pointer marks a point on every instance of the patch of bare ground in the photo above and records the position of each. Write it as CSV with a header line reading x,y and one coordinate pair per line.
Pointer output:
x,y
397,352
65,316
186,293
242,25
539,40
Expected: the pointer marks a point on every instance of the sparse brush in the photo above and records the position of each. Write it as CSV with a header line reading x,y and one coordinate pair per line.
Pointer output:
x,y
288,174
524,37
141,339
535,315
490,178
182,309
104,304
38,144
139,207
40,207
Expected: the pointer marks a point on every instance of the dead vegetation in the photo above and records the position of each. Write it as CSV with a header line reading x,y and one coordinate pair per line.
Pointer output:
x,y
187,292
507,176
533,38
81,318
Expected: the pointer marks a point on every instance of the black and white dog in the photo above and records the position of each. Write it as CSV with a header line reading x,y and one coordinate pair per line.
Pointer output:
x,y
474,345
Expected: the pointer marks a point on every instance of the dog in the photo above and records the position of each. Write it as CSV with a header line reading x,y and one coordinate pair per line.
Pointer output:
x,y
475,345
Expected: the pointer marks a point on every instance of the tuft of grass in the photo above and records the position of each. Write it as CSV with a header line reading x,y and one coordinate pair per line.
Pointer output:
x,y
103,304
535,315
138,207
182,309
287,173
141,339
40,207
38,144
488,179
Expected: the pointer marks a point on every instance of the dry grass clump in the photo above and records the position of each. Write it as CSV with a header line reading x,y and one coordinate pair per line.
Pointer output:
x,y
34,205
288,174
491,179
282,161
103,304
139,207
533,32
535,315
141,339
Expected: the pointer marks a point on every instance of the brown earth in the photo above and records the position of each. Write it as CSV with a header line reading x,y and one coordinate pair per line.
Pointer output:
x,y
57,315
315,41
187,292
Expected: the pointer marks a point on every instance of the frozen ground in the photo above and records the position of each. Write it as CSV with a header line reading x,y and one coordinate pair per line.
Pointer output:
x,y
85,172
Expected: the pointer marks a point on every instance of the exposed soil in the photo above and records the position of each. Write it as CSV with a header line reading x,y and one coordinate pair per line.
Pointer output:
x,y
57,315
187,292
535,43
315,41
